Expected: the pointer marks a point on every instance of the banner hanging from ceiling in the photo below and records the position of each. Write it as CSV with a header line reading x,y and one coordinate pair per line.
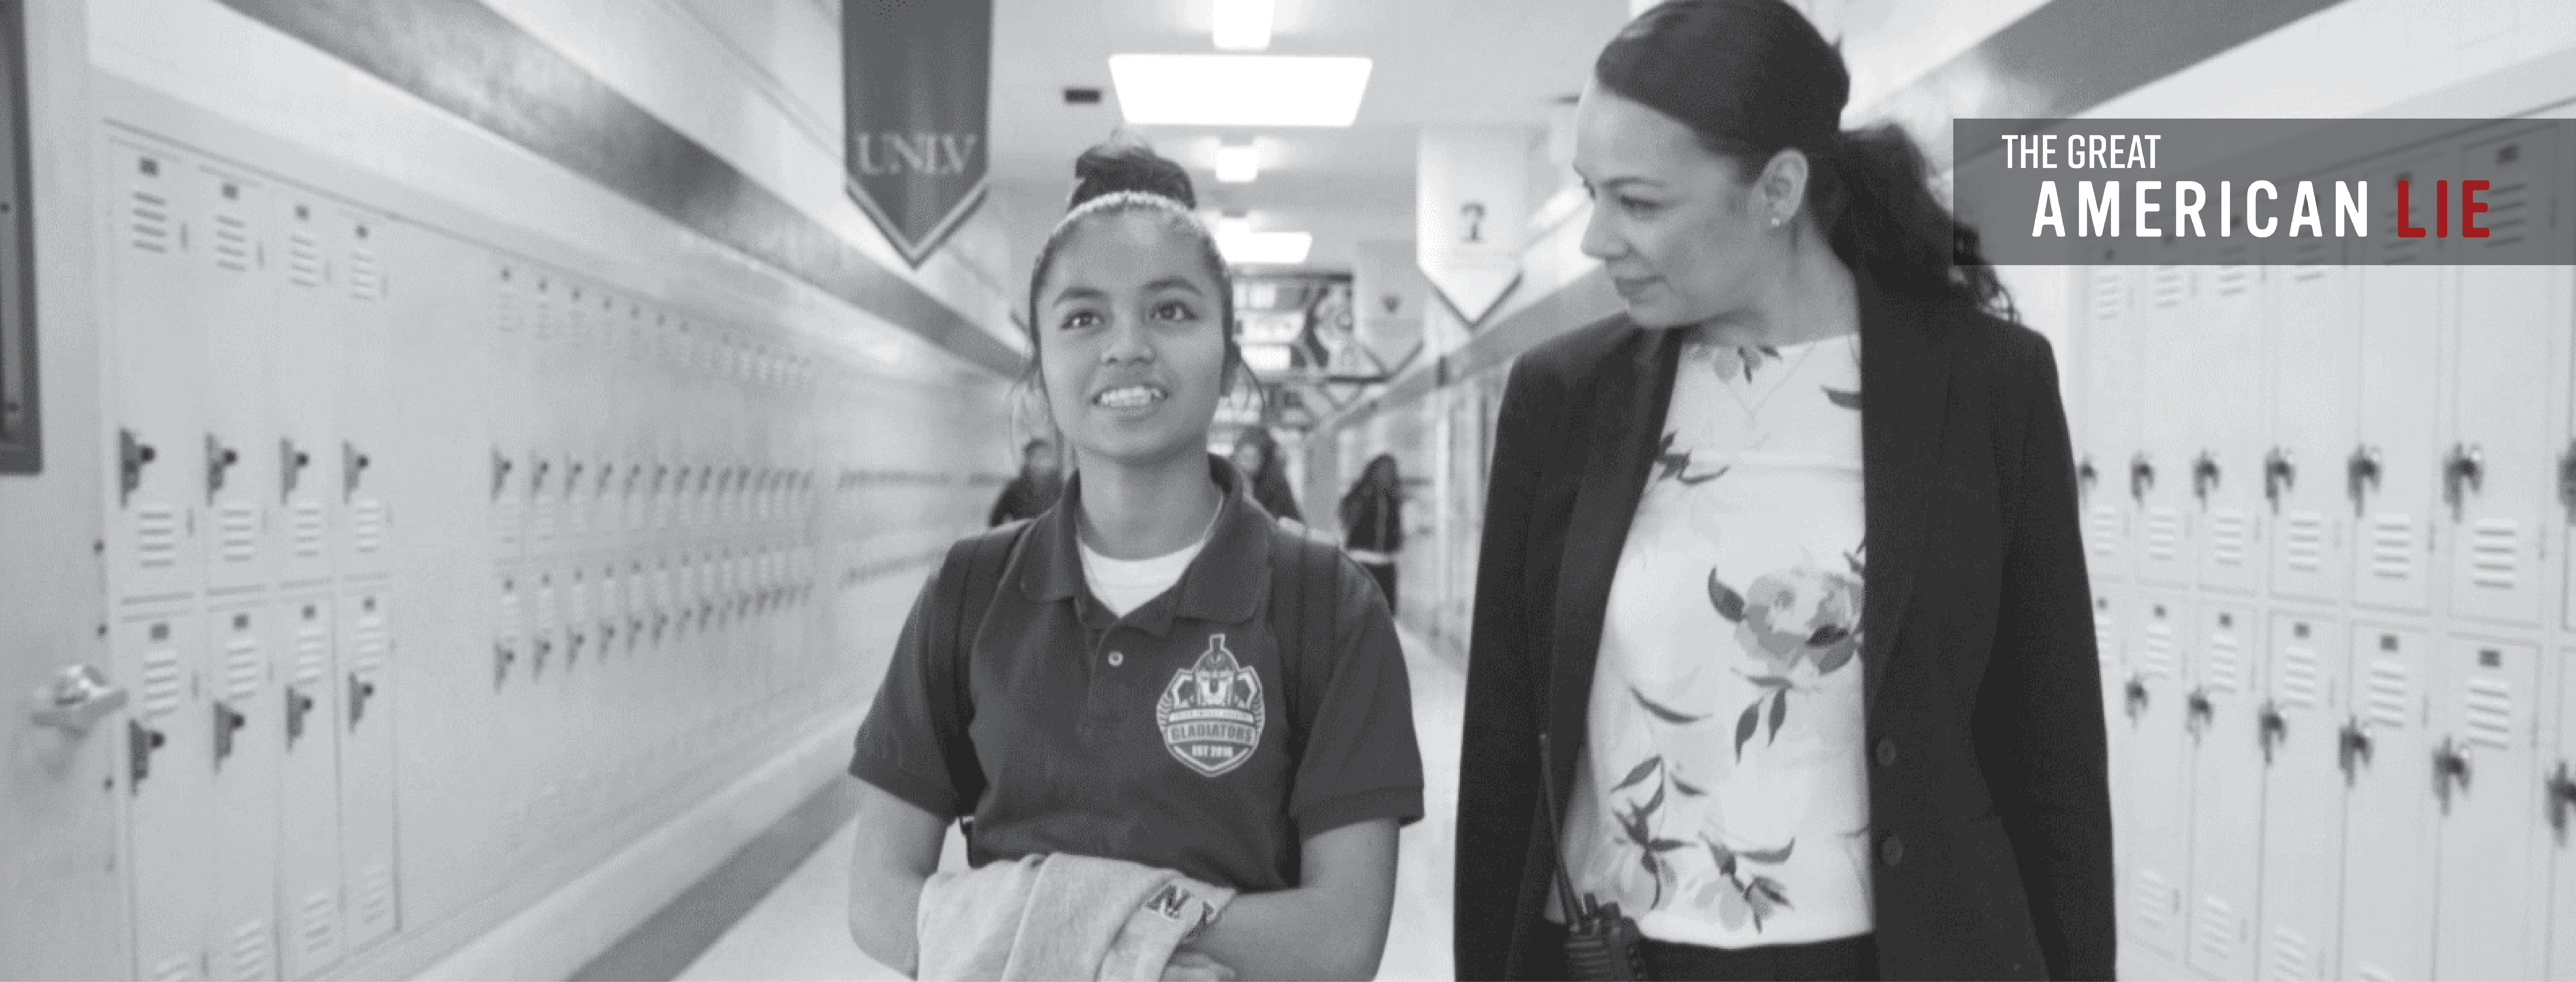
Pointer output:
x,y
915,84
1471,210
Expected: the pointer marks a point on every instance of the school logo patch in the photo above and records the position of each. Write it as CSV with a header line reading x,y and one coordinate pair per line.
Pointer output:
x,y
1211,714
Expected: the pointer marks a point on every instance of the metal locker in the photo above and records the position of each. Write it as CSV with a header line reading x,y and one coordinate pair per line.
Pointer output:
x,y
303,394
2389,471
2499,476
309,903
505,405
170,775
2558,789
2390,834
2486,779
365,645
160,483
2299,725
362,322
234,304
2312,392
2164,474
2222,713
2159,775
248,736
2225,390
503,742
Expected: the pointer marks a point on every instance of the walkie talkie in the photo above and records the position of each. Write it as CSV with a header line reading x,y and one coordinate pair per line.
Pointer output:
x,y
1601,944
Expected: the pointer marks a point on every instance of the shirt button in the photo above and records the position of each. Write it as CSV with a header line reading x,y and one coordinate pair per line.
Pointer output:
x,y
1886,751
1117,658
1891,850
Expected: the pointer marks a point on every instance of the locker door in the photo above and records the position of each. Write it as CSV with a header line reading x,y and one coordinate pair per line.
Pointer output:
x,y
248,724
2168,388
304,394
2110,420
2312,384
366,651
2303,798
2498,474
546,409
157,551
235,308
2222,714
2487,782
363,329
505,406
504,743
2159,775
2560,787
309,901
2390,471
2226,397
170,774
2389,831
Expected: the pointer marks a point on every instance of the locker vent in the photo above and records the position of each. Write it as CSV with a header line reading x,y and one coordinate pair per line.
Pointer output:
x,y
312,527
303,259
2386,693
148,218
2508,215
176,968
2227,534
244,670
376,898
2373,973
2156,657
2155,900
2305,535
237,532
232,243
252,957
366,276
319,928
505,522
312,655
2164,533
2392,545
2226,662
372,646
2302,676
2235,281
541,524
2488,713
2292,955
2313,258
156,536
2215,927
165,683
2310,274
2494,553
2168,287
505,306
367,525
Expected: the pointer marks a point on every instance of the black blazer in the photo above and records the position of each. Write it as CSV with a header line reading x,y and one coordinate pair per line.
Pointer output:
x,y
1989,802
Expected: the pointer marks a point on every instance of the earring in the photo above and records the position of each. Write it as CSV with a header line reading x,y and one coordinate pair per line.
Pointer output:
x,y
1777,219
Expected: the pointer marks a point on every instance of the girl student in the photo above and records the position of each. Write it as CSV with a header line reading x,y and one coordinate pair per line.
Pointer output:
x,y
1030,692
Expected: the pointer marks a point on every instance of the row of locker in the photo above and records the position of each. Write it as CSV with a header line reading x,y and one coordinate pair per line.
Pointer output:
x,y
2301,795
2320,432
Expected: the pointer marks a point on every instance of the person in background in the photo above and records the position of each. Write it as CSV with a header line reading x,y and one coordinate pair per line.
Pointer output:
x,y
1256,454
1782,605
1373,522
1122,687
1034,491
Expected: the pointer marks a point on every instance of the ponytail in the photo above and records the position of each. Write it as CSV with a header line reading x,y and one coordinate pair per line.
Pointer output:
x,y
1875,200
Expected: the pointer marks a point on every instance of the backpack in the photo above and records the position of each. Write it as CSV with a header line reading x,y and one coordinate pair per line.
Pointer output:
x,y
1303,583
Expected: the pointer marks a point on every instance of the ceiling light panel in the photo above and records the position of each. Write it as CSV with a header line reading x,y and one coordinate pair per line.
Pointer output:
x,y
1243,25
1239,90
1237,163
1265,247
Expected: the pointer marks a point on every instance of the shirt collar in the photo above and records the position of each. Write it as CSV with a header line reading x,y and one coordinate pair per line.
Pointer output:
x,y
1223,584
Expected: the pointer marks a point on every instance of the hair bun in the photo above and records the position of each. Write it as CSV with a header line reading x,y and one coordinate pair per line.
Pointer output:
x,y
1125,165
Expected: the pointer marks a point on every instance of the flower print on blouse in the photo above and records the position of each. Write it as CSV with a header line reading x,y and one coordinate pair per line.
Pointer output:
x,y
1721,798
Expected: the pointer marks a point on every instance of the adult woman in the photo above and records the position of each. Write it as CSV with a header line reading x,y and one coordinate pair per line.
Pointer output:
x,y
1256,454
1373,522
1211,729
1772,777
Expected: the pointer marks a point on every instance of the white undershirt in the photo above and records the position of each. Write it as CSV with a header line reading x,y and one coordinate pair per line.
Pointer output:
x,y
1125,584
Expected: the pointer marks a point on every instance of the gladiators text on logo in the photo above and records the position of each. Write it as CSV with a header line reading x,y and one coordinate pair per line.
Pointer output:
x,y
1211,713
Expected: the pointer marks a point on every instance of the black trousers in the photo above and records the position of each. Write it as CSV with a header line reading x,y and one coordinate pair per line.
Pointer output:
x,y
1839,960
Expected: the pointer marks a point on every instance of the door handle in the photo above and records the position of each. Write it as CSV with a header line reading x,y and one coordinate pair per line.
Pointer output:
x,y
2561,790
2271,728
2279,474
2142,476
2204,476
77,698
2449,765
2086,475
140,742
2134,696
2567,478
131,454
500,473
228,722
2198,711
2352,745
219,461
360,690
2361,475
291,464
2465,466
353,467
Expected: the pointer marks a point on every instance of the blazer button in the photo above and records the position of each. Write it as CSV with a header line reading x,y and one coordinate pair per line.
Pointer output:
x,y
1886,751
1891,850
1117,658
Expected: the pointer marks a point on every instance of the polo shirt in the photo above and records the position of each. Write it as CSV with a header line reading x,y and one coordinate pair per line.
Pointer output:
x,y
1178,736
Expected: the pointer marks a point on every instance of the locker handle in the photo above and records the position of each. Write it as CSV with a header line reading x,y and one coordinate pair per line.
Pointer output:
x,y
2204,475
2198,711
360,690
537,481
353,465
572,479
2567,477
140,742
2465,465
2449,765
2271,728
2352,744
2142,476
219,459
2135,696
227,722
2361,474
2561,790
291,470
500,473
503,655
2279,474
298,705
131,455
2086,475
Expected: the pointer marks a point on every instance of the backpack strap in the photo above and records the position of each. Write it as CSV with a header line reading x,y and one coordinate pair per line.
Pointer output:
x,y
968,580
1304,604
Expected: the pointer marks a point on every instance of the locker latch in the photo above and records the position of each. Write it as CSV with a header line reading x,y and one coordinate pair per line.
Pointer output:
x,y
500,473
2567,478
2142,476
2134,695
227,722
503,655
291,464
131,455
139,745
219,459
360,690
537,481
2204,475
2466,464
2449,765
353,466
2279,474
298,704
2198,712
2361,475
572,478
2086,476
2561,790
2271,728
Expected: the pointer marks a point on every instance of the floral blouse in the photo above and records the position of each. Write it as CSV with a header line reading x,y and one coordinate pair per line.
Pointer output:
x,y
1721,798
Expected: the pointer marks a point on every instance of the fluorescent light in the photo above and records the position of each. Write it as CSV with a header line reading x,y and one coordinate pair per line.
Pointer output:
x,y
1243,25
1239,90
1233,226
1264,247
1237,163
1267,357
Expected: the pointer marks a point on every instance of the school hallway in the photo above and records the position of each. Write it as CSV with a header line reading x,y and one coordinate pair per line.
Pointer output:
x,y
797,929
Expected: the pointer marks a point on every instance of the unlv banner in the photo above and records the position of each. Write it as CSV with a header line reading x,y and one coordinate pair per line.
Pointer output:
x,y
915,77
